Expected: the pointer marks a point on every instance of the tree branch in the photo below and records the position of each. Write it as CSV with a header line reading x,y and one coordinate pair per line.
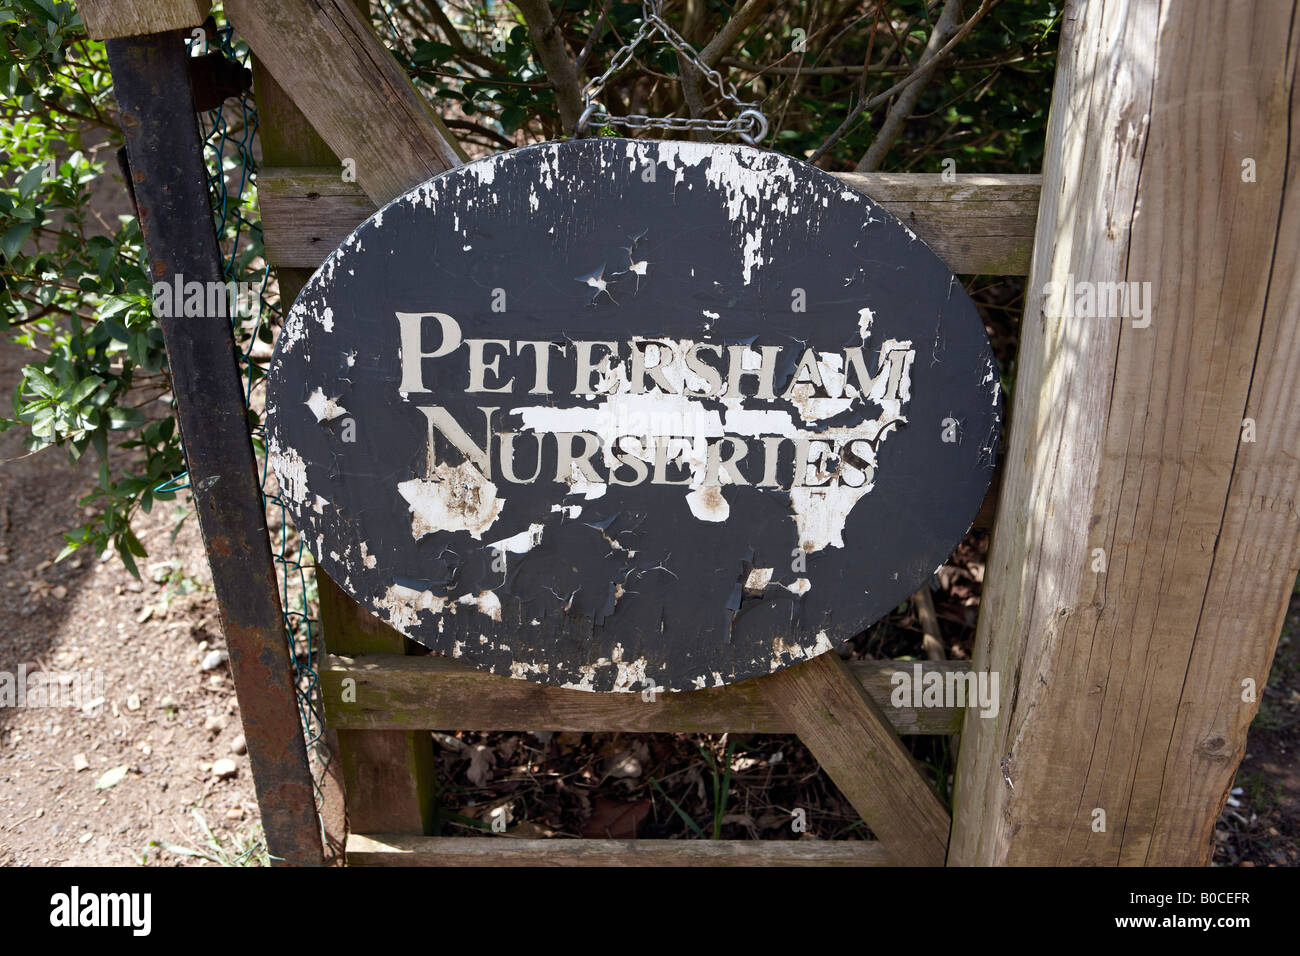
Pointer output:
x,y
901,108
478,128
852,69
692,78
596,31
905,82
554,54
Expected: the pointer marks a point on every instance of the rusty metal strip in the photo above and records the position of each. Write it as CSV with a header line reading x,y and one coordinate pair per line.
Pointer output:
x,y
165,150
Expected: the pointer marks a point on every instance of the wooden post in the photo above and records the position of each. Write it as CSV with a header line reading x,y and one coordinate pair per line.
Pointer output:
x,y
151,83
387,776
110,19
1149,532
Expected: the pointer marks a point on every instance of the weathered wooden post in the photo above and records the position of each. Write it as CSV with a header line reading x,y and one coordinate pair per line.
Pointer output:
x,y
1148,533
152,86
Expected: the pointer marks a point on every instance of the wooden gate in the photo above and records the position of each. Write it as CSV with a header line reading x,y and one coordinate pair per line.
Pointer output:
x,y
1144,552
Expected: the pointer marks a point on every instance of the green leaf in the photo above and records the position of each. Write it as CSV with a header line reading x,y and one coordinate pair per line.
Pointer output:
x,y
128,562
30,180
14,238
83,390
121,418
39,382
133,544
513,117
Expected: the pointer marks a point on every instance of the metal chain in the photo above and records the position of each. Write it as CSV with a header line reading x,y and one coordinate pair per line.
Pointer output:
x,y
749,124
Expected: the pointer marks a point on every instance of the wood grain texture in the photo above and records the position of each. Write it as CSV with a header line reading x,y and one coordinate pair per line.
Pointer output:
x,y
109,19
434,693
980,224
977,224
400,850
854,743
388,775
1123,687
347,84
307,212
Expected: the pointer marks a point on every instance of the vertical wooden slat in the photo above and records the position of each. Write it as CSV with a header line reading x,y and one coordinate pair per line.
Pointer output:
x,y
388,775
1145,553
285,134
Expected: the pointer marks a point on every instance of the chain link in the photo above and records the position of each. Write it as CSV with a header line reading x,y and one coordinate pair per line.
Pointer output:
x,y
749,123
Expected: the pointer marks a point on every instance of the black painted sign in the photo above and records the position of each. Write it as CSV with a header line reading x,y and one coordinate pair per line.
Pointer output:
x,y
615,414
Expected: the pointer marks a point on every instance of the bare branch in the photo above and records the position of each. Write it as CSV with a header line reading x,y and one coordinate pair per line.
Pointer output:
x,y
481,130
692,78
901,108
851,69
919,73
597,29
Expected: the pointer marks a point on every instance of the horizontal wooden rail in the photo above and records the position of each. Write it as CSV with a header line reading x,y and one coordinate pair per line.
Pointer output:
x,y
110,19
394,692
978,224
402,850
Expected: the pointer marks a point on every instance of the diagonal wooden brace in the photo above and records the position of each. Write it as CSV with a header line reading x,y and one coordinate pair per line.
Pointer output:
x,y
855,744
328,59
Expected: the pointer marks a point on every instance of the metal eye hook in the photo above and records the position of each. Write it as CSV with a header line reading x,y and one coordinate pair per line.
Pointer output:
x,y
581,126
757,119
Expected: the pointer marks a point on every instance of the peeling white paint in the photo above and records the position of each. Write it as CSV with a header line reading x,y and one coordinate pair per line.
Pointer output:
x,y
520,543
757,582
455,499
325,409
640,421
486,602
402,606
290,470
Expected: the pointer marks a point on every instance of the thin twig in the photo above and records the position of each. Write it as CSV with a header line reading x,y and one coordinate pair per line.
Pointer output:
x,y
902,107
907,81
596,30
931,641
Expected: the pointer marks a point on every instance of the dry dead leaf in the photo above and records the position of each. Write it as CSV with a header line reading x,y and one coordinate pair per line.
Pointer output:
x,y
614,820
481,761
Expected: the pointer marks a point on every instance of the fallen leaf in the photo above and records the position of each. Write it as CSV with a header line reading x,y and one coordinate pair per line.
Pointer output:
x,y
112,777
614,820
624,765
481,761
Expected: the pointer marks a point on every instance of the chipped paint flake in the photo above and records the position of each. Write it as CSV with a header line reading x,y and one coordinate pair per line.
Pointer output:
x,y
454,499
325,409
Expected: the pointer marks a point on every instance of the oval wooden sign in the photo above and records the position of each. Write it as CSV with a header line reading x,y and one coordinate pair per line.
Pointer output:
x,y
616,414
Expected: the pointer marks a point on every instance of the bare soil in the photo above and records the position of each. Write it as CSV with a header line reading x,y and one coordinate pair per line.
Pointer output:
x,y
162,717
